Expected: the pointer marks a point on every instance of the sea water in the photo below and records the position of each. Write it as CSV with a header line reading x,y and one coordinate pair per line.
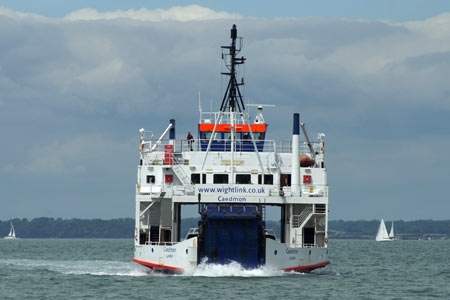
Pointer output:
x,y
102,269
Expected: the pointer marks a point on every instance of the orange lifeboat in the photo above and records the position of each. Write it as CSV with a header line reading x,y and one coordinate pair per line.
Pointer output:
x,y
306,161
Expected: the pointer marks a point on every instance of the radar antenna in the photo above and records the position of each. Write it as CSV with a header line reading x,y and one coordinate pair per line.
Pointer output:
x,y
233,97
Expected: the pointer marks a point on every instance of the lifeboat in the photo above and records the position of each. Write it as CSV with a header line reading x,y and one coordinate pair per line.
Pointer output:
x,y
306,161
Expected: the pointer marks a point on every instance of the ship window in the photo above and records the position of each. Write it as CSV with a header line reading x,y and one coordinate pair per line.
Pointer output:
x,y
285,180
217,136
268,179
150,179
206,135
258,136
227,136
203,178
220,178
243,179
195,178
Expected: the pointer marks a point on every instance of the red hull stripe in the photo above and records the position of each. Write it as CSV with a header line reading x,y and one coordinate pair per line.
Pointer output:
x,y
170,268
238,127
157,266
308,267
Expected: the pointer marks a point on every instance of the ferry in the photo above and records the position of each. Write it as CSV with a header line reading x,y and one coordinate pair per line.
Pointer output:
x,y
232,174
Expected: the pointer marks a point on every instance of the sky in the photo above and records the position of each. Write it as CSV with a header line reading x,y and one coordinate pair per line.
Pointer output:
x,y
78,79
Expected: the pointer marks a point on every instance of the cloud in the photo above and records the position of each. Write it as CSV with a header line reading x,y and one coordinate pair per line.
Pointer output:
x,y
75,86
77,155
104,74
437,27
176,13
6,12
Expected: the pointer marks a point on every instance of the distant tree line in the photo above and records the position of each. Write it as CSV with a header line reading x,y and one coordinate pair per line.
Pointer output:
x,y
69,228
403,229
124,228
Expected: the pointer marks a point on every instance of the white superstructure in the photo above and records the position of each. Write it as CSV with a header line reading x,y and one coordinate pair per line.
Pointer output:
x,y
231,173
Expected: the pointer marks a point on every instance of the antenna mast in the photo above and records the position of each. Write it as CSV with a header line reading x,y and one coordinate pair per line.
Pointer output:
x,y
233,97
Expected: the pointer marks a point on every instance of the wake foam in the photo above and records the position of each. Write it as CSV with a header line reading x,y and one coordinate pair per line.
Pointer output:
x,y
120,268
94,267
232,269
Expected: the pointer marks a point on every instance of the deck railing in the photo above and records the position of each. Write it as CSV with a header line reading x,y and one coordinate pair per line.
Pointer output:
x,y
297,220
212,117
223,145
161,243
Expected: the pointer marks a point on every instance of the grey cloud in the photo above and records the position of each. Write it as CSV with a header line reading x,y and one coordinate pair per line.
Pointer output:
x,y
74,92
176,13
80,154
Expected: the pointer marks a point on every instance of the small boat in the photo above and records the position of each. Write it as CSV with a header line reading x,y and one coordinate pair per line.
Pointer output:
x,y
12,233
382,234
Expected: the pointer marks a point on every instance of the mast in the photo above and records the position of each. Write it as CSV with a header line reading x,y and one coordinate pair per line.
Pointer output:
x,y
233,97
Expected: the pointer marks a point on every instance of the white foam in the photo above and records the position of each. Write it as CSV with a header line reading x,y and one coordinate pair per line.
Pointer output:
x,y
120,268
232,269
94,267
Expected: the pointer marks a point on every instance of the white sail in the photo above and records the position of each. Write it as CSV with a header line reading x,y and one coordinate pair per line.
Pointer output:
x,y
391,233
382,234
12,233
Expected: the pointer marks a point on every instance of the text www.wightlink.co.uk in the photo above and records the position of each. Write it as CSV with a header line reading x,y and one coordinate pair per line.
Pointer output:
x,y
232,193
234,189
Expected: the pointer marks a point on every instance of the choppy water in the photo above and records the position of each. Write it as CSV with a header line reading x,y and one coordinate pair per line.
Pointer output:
x,y
101,269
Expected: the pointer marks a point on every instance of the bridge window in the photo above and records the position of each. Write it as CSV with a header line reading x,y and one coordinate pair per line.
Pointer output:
x,y
268,179
220,178
258,136
246,136
206,135
243,178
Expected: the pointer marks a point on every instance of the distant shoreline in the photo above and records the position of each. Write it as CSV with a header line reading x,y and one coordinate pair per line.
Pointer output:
x,y
59,228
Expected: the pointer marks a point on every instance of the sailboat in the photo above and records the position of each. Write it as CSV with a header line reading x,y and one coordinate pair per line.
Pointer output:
x,y
382,234
391,233
12,233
